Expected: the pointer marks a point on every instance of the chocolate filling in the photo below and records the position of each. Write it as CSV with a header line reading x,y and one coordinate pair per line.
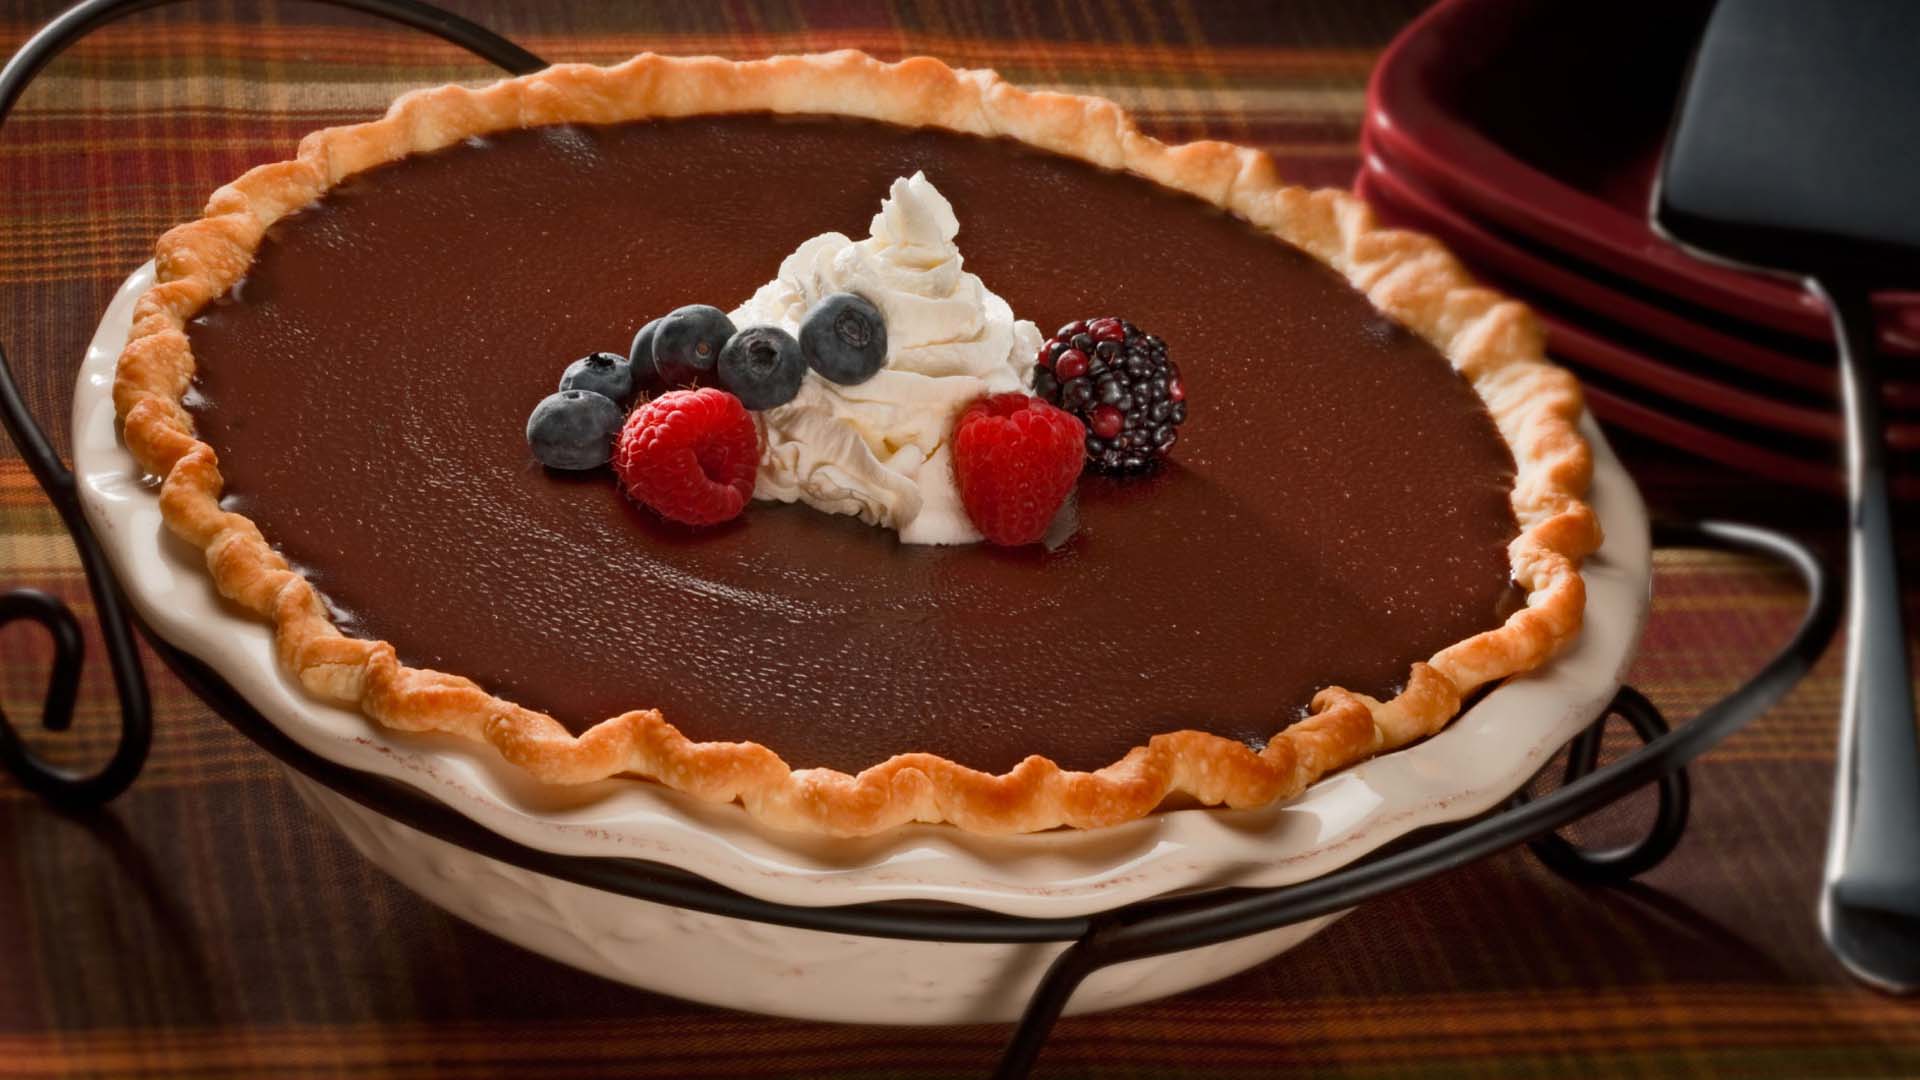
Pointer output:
x,y
1337,508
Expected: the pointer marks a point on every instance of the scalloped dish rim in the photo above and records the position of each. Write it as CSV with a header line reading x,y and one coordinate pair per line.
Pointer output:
x,y
1471,765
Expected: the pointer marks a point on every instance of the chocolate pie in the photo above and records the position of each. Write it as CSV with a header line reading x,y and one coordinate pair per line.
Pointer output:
x,y
1375,511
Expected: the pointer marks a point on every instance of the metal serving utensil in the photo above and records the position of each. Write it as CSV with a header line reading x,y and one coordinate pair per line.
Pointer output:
x,y
1797,151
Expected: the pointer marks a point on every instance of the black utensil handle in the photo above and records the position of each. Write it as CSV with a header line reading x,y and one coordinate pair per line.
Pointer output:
x,y
1874,854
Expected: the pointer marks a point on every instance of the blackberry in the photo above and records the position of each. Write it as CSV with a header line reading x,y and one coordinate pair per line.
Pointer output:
x,y
1121,385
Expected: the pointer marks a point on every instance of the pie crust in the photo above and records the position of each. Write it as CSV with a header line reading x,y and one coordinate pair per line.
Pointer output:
x,y
1492,341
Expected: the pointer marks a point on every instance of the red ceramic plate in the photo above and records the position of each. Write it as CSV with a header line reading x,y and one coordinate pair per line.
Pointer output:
x,y
1806,369
1643,418
1675,406
1547,119
1568,303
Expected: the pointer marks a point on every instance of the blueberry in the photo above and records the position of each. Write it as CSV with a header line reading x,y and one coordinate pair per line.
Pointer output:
x,y
845,339
603,373
762,366
574,429
640,355
687,343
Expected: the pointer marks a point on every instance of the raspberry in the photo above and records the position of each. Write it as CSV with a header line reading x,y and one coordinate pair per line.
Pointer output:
x,y
691,455
1015,459
1119,382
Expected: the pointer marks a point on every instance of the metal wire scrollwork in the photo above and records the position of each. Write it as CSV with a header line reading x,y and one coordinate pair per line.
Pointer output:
x,y
65,787
1148,928
1612,866
1155,929
68,788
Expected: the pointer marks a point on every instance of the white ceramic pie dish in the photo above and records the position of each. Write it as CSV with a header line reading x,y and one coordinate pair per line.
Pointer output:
x,y
1481,758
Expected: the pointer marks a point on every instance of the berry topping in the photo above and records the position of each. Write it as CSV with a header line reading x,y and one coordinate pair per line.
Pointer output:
x,y
573,429
603,373
845,339
687,343
691,455
1119,382
762,366
1015,459
1070,364
640,355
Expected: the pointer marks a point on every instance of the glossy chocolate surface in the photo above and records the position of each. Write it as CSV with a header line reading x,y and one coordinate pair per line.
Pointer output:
x,y
1337,510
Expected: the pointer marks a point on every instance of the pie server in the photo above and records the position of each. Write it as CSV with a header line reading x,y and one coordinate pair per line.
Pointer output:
x,y
1797,150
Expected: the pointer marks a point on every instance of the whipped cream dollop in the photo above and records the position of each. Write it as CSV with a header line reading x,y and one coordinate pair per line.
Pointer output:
x,y
882,449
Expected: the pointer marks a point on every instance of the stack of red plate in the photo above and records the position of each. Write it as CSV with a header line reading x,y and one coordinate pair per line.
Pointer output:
x,y
1525,134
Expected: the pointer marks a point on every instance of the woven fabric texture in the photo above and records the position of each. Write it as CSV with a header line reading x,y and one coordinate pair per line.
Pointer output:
x,y
207,924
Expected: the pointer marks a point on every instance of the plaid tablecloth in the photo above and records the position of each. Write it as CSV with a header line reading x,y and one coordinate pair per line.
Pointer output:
x,y
207,924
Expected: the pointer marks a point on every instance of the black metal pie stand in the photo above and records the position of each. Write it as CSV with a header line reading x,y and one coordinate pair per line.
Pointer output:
x,y
1138,930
